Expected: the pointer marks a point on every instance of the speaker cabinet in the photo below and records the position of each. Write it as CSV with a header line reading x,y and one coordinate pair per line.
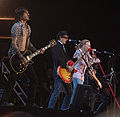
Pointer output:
x,y
81,99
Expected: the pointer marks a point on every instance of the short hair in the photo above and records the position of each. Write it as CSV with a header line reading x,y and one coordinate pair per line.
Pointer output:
x,y
60,34
19,12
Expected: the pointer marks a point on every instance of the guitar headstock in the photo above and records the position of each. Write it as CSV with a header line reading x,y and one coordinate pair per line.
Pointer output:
x,y
52,43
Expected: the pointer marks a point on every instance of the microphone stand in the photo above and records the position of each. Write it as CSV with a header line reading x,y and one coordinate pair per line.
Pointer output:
x,y
115,99
84,61
89,69
112,80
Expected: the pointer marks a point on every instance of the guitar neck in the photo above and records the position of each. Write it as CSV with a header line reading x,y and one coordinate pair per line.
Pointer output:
x,y
38,51
76,63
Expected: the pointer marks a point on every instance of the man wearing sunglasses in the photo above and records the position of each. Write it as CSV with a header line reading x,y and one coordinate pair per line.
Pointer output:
x,y
60,58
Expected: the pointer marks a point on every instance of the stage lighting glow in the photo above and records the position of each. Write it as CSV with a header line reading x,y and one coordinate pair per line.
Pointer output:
x,y
5,37
7,18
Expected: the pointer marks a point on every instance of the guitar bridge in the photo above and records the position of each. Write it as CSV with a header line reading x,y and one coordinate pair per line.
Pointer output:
x,y
69,78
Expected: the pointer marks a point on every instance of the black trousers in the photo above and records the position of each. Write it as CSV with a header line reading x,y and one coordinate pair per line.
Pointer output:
x,y
30,73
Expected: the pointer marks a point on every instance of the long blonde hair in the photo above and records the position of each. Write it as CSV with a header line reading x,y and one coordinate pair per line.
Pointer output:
x,y
83,42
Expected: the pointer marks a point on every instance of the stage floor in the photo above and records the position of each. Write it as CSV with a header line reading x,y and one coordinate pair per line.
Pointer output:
x,y
42,112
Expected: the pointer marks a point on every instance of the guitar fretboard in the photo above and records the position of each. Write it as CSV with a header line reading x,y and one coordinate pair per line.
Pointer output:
x,y
38,51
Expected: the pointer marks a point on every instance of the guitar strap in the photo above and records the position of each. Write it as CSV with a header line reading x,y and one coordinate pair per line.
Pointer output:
x,y
22,52
83,54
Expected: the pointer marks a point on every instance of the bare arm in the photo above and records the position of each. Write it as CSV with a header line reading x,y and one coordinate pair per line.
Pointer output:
x,y
94,76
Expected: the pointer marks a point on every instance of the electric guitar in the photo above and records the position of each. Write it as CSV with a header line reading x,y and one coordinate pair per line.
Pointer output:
x,y
16,64
65,74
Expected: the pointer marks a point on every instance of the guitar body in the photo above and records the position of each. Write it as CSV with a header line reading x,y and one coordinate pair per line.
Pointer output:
x,y
65,74
17,65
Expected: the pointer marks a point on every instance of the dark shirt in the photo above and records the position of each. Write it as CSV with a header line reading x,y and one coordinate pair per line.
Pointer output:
x,y
59,57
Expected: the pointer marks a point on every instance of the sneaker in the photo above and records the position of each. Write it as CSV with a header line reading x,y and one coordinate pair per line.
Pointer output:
x,y
11,104
7,104
65,109
35,105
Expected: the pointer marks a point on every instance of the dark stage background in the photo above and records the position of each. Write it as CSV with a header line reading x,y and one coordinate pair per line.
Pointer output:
x,y
97,20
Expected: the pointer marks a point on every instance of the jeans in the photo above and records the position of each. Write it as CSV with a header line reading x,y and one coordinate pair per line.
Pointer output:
x,y
59,85
76,81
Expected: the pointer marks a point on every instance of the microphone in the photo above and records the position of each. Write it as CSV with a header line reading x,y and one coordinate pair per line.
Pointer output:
x,y
70,40
110,53
94,50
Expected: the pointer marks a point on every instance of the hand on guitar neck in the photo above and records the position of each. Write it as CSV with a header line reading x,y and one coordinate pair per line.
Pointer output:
x,y
42,51
25,61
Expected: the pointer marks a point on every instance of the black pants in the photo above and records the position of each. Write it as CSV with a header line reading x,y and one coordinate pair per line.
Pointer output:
x,y
30,73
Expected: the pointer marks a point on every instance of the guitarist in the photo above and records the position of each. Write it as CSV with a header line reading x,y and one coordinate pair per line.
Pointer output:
x,y
82,51
60,58
20,34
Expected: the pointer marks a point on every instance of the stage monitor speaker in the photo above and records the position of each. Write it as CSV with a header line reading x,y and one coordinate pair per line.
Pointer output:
x,y
81,99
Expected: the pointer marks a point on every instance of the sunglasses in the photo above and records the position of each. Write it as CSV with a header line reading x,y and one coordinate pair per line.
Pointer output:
x,y
65,37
